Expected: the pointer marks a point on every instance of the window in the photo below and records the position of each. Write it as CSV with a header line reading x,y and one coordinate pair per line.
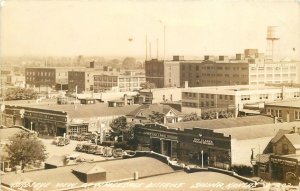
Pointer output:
x,y
202,95
245,97
212,96
202,104
279,95
221,97
207,104
197,68
269,112
212,103
278,113
297,115
207,95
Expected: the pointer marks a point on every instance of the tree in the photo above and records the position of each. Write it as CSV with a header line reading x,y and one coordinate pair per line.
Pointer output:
x,y
121,127
191,117
156,117
129,62
24,148
20,94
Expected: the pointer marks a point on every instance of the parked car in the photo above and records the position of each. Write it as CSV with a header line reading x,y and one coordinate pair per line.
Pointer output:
x,y
108,152
92,149
85,136
85,147
78,147
63,141
128,154
99,150
56,139
117,152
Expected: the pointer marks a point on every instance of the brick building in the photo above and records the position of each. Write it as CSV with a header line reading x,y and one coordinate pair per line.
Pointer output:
x,y
287,111
249,68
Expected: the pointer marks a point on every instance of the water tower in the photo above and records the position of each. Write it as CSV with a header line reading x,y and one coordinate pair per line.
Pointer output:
x,y
272,38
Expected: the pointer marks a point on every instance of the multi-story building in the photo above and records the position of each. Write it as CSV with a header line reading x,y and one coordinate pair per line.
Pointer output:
x,y
245,69
47,77
155,72
235,98
128,81
214,73
83,80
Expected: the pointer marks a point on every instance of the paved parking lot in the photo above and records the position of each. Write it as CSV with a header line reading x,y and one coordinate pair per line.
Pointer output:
x,y
69,149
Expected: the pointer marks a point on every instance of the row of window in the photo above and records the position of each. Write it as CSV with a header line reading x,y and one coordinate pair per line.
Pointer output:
x,y
40,73
190,67
208,96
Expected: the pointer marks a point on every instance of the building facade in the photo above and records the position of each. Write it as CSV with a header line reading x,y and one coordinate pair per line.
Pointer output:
x,y
154,70
234,97
194,145
249,68
48,77
120,82
282,164
83,80
287,111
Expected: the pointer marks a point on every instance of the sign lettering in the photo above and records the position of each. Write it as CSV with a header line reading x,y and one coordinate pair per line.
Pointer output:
x,y
203,141
160,135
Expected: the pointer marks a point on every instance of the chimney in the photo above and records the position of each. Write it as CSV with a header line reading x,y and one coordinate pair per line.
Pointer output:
x,y
125,99
186,84
92,64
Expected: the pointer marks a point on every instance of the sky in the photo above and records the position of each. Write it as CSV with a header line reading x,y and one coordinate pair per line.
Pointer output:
x,y
102,27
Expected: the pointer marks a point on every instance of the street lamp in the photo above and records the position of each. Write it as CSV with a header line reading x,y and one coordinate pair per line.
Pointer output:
x,y
202,158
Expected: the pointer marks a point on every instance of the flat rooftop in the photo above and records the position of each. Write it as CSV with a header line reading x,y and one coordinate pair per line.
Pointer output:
x,y
179,181
257,131
235,89
78,110
115,170
293,103
224,122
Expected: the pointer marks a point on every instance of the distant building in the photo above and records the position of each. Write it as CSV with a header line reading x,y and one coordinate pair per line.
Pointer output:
x,y
233,98
82,80
287,111
154,70
143,114
47,77
128,81
249,68
158,95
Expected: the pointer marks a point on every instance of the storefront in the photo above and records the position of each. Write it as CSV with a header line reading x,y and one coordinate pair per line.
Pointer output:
x,y
45,122
204,146
195,146
284,169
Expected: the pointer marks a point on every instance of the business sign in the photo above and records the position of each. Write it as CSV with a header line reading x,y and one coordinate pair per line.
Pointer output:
x,y
160,135
46,116
283,161
203,141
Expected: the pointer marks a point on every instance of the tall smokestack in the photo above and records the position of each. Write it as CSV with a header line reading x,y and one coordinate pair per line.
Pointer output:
x,y
150,50
146,47
157,48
